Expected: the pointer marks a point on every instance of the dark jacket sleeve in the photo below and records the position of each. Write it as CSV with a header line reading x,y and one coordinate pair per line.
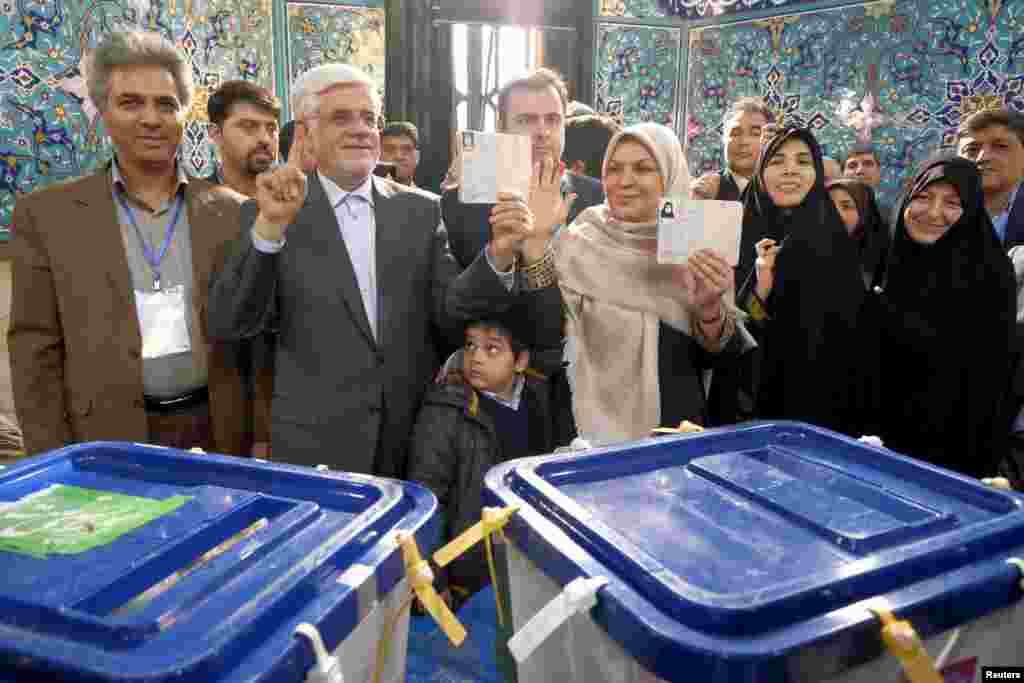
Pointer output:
x,y
35,339
243,293
462,297
433,460
468,225
563,424
589,192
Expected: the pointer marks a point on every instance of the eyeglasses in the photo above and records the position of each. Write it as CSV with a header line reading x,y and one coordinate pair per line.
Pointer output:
x,y
349,119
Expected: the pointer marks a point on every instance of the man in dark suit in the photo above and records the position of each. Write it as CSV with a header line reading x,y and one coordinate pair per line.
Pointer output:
x,y
95,260
742,126
345,264
994,139
533,106
244,127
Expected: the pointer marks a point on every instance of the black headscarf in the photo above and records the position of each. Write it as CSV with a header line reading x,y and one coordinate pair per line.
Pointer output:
x,y
762,218
871,233
813,367
947,313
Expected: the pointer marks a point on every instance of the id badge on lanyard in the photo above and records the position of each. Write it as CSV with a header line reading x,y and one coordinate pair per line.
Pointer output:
x,y
162,312
163,322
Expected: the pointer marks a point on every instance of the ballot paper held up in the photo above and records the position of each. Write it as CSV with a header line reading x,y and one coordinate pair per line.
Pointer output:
x,y
686,226
493,163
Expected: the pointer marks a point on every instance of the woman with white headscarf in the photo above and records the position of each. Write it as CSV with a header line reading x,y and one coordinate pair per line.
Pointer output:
x,y
642,336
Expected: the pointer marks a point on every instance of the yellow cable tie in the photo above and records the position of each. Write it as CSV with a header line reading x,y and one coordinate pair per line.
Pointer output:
x,y
421,578
492,520
474,534
902,641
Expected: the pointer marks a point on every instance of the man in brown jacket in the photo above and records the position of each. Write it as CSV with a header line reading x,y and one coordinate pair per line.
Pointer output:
x,y
111,273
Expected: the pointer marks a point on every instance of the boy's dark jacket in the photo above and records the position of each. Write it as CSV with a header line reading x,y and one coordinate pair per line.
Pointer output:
x,y
454,445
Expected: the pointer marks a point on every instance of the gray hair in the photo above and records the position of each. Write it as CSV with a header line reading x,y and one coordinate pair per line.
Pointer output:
x,y
750,105
306,89
136,48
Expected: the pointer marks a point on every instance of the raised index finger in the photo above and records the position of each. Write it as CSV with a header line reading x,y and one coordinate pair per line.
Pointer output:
x,y
297,155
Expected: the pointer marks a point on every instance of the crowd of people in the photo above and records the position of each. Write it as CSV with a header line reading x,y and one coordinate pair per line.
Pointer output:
x,y
311,311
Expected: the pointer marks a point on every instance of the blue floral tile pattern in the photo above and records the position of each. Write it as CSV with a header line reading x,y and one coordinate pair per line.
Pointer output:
x,y
636,70
897,74
336,33
49,129
688,9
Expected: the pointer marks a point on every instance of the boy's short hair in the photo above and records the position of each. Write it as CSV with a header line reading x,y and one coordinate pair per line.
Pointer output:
x,y
502,329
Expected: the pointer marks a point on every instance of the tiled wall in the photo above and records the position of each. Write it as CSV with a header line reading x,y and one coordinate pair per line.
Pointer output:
x,y
49,130
319,33
898,74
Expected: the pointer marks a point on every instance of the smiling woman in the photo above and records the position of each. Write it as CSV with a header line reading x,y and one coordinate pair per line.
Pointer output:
x,y
940,403
790,174
806,296
642,335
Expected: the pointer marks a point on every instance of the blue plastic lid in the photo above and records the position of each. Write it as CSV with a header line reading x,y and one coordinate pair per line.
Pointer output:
x,y
759,531
318,548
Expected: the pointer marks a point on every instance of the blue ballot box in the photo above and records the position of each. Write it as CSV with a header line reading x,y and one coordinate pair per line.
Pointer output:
x,y
771,552
125,562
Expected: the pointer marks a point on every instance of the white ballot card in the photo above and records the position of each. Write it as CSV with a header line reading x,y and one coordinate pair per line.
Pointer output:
x,y
686,225
492,163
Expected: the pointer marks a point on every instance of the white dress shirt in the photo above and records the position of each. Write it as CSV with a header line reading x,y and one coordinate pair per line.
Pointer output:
x,y
355,215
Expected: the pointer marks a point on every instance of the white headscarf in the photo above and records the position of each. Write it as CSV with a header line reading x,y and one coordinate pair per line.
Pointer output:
x,y
617,294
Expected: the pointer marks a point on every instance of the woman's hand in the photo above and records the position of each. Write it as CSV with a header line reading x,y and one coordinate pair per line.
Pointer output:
x,y
766,250
712,276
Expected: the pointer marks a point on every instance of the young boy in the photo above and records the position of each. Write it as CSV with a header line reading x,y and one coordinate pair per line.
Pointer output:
x,y
487,409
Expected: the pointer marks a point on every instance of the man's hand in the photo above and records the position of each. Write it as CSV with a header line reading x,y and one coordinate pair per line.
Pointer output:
x,y
511,222
550,209
706,186
281,192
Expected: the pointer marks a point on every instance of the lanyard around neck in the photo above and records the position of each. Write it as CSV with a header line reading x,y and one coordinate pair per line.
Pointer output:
x,y
154,258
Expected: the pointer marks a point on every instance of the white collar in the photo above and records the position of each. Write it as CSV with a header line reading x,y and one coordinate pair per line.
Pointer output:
x,y
336,195
517,394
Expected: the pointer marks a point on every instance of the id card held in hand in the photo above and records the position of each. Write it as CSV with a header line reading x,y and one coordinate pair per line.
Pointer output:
x,y
162,321
493,163
686,226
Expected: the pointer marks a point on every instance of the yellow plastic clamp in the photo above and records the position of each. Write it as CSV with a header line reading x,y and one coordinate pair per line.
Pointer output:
x,y
902,641
493,520
421,578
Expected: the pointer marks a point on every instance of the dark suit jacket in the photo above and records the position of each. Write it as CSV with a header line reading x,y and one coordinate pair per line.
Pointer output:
x,y
256,363
728,188
341,397
469,227
75,344
1015,224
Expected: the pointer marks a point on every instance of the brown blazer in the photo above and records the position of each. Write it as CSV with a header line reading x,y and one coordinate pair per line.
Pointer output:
x,y
75,344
